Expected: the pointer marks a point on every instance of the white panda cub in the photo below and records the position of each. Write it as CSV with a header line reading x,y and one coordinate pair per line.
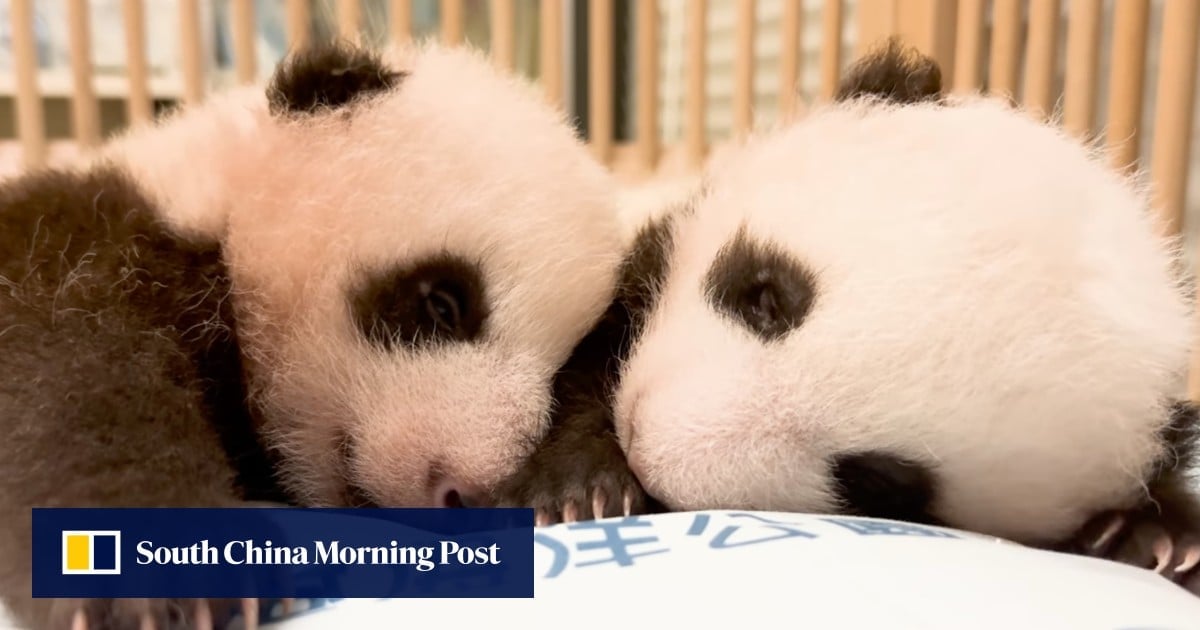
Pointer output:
x,y
907,307
351,289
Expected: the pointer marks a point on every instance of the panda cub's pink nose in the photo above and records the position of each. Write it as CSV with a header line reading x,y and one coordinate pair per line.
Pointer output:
x,y
452,494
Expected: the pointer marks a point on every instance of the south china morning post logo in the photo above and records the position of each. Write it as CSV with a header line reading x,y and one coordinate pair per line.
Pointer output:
x,y
283,552
91,552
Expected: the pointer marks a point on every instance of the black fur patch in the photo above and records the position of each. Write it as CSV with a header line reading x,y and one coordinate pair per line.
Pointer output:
x,y
895,73
120,373
328,76
882,485
439,300
760,286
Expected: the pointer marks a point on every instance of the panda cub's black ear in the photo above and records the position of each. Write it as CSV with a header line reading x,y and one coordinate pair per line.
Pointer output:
x,y
327,76
894,73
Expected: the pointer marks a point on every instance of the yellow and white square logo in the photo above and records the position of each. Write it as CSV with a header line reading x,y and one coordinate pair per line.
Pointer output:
x,y
91,552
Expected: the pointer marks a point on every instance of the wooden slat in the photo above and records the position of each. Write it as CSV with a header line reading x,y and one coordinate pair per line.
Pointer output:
x,y
968,48
191,53
1006,51
400,21
1084,21
504,31
138,104
831,49
1041,56
877,20
743,68
452,22
1173,114
550,50
600,77
1131,20
789,57
298,18
646,75
245,53
349,19
695,99
30,123
929,26
85,113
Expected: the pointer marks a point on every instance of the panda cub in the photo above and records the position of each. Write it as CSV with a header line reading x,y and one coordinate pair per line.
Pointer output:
x,y
903,306
351,289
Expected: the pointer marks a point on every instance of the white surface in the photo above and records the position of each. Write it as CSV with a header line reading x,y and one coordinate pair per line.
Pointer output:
x,y
740,569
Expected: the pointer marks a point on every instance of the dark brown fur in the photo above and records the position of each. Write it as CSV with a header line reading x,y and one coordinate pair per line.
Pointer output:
x,y
894,73
121,378
328,75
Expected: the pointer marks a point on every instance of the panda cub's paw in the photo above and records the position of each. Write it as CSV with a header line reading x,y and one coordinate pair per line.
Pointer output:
x,y
152,614
1145,538
575,479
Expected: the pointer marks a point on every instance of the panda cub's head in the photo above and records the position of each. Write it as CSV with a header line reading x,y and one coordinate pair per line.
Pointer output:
x,y
416,242
911,307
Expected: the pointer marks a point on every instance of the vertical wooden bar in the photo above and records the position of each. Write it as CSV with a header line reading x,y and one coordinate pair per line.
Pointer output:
x,y
876,21
452,22
1173,114
30,123
244,49
298,19
1041,56
550,50
138,104
504,30
928,25
646,75
600,77
85,113
400,20
831,49
191,51
1131,20
1006,51
968,48
789,56
349,19
1083,51
695,128
743,68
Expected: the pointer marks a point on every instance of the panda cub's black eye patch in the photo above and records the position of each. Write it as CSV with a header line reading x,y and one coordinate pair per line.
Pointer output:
x,y
437,300
760,286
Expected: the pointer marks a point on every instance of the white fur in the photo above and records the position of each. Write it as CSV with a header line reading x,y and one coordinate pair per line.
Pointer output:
x,y
457,159
991,300
184,162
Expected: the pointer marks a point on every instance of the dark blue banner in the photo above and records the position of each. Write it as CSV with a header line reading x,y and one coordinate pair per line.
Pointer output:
x,y
282,552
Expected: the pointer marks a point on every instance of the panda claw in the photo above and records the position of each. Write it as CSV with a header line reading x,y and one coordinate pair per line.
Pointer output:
x,y
203,614
1190,560
598,500
250,613
79,621
1115,525
570,512
147,622
540,518
1163,550
628,503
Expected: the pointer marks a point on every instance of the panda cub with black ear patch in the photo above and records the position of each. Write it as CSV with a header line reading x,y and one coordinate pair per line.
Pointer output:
x,y
352,289
903,306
